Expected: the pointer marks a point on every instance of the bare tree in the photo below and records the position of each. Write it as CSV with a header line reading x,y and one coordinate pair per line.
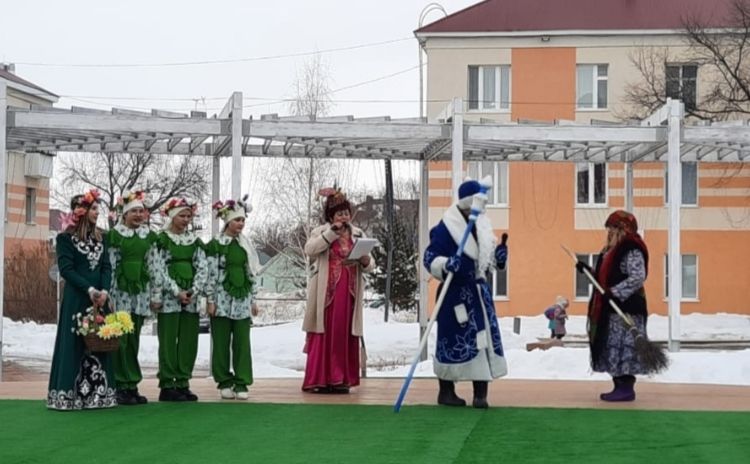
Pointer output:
x,y
292,184
162,176
312,89
721,55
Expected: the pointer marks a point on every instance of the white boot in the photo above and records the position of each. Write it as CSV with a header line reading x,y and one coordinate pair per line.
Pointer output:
x,y
241,395
226,394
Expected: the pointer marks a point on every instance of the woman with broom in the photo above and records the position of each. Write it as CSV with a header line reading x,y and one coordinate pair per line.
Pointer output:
x,y
621,270
79,379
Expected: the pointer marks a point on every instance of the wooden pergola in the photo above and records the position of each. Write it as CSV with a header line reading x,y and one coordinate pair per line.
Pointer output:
x,y
662,137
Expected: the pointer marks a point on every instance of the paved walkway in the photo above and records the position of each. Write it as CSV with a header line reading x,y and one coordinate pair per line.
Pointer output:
x,y
512,393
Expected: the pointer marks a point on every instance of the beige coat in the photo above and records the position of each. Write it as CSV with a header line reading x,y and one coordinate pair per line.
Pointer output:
x,y
317,249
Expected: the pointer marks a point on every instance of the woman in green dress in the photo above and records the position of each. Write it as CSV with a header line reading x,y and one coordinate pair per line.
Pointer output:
x,y
181,278
132,255
233,263
80,379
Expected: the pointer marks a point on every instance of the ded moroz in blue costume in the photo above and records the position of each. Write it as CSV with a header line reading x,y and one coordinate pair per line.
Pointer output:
x,y
468,346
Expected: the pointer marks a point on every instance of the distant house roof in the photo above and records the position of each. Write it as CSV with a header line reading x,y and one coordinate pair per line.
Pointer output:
x,y
6,72
580,15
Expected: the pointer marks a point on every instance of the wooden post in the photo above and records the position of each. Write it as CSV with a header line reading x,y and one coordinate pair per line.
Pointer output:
x,y
3,175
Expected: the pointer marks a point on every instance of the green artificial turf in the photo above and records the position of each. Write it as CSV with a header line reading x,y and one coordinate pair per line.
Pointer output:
x,y
210,433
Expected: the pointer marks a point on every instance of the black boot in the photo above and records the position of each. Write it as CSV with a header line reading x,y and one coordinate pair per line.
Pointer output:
x,y
447,394
139,399
124,398
171,394
189,395
480,395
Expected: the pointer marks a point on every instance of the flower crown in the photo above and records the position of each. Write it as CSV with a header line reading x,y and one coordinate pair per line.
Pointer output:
x,y
89,198
80,207
177,203
127,197
223,209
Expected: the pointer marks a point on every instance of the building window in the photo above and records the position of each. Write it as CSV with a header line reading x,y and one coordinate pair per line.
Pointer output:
x,y
689,184
583,286
498,170
681,83
500,283
689,276
30,205
591,184
591,86
489,87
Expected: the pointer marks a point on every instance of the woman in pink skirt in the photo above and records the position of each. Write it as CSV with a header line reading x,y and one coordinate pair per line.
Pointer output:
x,y
333,317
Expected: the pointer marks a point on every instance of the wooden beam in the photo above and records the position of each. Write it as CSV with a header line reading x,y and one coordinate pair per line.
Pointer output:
x,y
171,143
543,134
115,123
266,129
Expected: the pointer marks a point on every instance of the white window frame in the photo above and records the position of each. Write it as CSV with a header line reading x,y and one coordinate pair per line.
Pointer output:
x,y
697,184
498,89
500,177
592,182
681,81
595,84
682,266
495,295
589,259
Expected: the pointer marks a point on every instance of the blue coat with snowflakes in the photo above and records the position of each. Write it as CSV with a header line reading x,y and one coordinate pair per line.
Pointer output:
x,y
469,345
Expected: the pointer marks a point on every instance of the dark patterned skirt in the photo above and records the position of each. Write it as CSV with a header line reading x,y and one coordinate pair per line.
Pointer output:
x,y
90,390
619,356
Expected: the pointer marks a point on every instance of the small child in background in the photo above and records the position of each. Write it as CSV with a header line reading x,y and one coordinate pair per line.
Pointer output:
x,y
557,316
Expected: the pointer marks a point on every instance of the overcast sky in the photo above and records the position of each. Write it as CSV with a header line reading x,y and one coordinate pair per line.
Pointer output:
x,y
83,32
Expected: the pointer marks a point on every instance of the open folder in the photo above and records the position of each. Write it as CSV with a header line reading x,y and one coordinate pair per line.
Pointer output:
x,y
362,247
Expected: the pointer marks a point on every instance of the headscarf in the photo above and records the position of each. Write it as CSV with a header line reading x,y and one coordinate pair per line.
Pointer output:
x,y
174,206
626,222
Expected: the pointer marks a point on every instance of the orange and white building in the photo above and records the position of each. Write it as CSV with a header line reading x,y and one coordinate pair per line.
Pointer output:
x,y
529,61
27,173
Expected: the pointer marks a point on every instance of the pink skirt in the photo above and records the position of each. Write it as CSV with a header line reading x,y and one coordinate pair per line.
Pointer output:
x,y
333,356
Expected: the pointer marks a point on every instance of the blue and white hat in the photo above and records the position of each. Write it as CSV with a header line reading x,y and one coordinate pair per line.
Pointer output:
x,y
466,192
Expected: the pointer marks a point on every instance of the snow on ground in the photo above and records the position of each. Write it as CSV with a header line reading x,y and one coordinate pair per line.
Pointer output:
x,y
277,347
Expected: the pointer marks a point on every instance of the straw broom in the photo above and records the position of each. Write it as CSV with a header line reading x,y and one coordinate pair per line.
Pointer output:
x,y
652,356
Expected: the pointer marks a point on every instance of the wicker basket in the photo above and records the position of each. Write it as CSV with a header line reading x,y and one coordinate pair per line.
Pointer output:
x,y
96,344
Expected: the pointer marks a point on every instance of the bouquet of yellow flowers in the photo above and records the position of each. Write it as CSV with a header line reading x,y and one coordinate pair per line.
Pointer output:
x,y
101,333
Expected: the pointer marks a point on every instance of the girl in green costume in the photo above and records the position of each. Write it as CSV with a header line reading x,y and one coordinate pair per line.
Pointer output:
x,y
80,379
182,276
133,256
233,263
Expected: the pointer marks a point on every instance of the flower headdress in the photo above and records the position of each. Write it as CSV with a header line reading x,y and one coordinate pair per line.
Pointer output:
x,y
130,200
231,209
335,200
171,208
79,206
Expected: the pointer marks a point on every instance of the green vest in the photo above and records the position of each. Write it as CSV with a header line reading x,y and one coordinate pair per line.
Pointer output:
x,y
179,260
236,281
131,273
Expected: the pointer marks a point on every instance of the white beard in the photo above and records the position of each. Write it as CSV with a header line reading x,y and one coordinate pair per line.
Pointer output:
x,y
483,252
